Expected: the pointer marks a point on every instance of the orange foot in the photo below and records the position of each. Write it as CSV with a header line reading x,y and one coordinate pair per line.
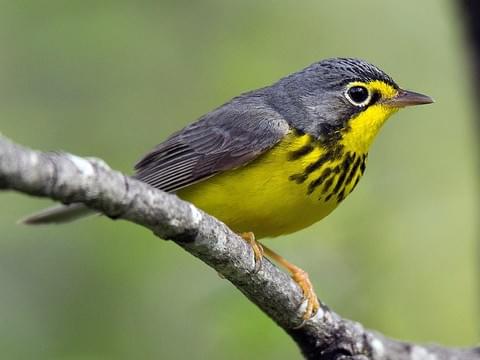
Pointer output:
x,y
257,248
301,278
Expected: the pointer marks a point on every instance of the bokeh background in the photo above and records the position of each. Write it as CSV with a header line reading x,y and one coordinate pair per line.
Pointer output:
x,y
113,78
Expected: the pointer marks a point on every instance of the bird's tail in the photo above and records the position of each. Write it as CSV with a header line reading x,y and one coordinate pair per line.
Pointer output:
x,y
58,214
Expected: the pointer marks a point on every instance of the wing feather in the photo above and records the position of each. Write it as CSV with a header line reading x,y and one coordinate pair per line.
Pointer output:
x,y
224,139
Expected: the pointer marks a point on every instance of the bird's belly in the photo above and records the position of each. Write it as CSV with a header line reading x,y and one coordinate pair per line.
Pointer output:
x,y
252,200
266,195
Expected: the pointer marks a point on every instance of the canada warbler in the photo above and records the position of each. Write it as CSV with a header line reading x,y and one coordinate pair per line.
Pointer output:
x,y
275,160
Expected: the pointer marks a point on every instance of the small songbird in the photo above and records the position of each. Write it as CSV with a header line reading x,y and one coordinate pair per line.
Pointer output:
x,y
275,160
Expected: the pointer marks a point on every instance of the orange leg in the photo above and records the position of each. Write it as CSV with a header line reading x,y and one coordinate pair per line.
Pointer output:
x,y
257,248
301,278
298,275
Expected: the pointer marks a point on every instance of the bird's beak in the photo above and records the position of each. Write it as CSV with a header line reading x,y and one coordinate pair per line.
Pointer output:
x,y
408,98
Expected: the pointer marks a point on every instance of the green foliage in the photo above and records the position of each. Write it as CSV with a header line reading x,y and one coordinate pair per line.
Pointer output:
x,y
114,78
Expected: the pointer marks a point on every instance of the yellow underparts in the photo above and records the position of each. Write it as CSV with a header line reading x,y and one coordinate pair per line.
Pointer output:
x,y
295,184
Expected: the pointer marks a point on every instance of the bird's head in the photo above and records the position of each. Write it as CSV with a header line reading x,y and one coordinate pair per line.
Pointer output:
x,y
345,99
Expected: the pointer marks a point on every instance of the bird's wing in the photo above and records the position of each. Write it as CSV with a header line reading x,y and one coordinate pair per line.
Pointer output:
x,y
224,139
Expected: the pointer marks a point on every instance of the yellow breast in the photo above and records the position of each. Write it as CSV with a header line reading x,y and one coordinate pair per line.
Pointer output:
x,y
288,188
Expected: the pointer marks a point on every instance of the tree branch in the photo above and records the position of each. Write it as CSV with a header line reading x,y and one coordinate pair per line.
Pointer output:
x,y
68,178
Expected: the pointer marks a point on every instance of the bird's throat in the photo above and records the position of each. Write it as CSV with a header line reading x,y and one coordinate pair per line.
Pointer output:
x,y
362,129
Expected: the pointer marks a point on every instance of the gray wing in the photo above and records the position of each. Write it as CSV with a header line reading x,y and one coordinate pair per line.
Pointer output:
x,y
224,139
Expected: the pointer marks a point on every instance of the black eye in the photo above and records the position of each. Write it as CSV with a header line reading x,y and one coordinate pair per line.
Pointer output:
x,y
358,95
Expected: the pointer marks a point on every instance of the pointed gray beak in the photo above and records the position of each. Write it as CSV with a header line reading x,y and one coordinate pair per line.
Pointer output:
x,y
408,98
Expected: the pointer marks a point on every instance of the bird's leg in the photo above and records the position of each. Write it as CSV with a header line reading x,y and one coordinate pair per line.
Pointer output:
x,y
298,275
301,278
257,248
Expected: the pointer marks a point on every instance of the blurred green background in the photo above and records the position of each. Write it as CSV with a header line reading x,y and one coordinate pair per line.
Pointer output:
x,y
113,78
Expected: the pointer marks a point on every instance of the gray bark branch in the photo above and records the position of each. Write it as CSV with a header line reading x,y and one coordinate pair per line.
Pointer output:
x,y
68,178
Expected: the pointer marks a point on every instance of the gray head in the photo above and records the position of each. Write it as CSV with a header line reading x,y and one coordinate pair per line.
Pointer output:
x,y
325,97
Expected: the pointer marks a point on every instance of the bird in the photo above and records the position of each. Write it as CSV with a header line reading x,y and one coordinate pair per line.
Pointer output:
x,y
275,160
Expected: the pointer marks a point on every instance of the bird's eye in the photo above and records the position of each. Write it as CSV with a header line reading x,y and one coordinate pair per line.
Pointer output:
x,y
358,95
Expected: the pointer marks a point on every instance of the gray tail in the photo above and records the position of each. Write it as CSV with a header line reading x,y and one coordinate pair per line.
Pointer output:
x,y
58,214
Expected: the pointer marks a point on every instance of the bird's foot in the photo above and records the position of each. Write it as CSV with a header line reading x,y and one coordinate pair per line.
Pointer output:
x,y
257,249
301,278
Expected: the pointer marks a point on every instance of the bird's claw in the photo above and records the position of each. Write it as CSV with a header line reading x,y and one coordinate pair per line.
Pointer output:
x,y
301,278
257,249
